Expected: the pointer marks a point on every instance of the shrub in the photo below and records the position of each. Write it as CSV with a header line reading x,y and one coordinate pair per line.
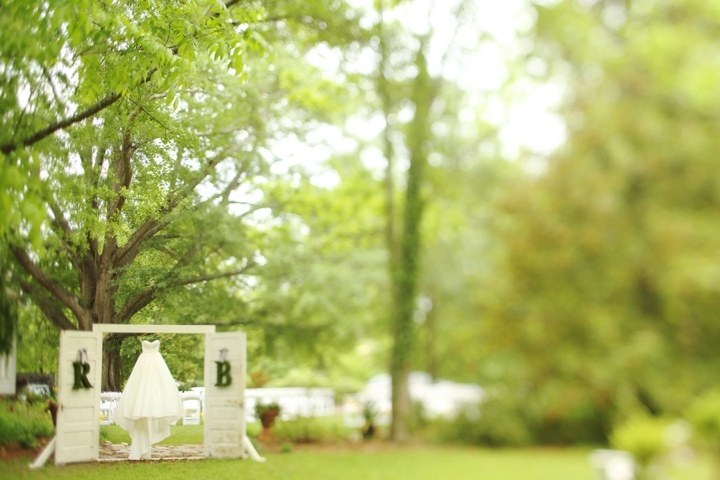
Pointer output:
x,y
645,437
579,423
495,424
704,416
312,430
22,423
517,418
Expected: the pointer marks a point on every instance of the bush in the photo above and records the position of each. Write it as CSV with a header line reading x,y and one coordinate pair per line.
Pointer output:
x,y
496,424
508,418
646,438
643,436
312,430
22,423
704,416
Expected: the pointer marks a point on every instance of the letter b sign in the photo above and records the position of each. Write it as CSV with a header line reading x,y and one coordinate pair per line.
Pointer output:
x,y
223,374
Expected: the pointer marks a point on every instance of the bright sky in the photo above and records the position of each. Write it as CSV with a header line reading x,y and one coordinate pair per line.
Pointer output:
x,y
527,123
478,66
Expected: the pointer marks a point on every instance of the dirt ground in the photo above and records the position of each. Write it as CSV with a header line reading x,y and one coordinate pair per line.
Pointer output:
x,y
16,452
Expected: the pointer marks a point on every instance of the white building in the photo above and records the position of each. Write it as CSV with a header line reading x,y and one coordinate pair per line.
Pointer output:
x,y
439,398
293,401
8,373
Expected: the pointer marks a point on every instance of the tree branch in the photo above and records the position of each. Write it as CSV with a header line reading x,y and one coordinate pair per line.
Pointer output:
x,y
144,298
151,226
62,124
64,231
80,116
52,286
234,183
123,171
138,302
279,326
48,77
48,307
214,276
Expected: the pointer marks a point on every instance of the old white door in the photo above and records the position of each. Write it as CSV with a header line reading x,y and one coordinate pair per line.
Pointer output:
x,y
225,405
78,421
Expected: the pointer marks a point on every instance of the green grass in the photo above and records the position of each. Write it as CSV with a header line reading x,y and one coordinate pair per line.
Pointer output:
x,y
179,435
22,422
377,462
420,463
325,429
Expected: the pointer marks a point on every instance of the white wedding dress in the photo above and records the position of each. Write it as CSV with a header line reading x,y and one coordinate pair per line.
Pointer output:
x,y
149,403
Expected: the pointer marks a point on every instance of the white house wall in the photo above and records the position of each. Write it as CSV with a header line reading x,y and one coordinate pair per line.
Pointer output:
x,y
8,372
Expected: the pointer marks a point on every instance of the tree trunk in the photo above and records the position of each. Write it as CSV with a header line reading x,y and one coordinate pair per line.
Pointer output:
x,y
408,269
430,343
405,260
111,364
400,401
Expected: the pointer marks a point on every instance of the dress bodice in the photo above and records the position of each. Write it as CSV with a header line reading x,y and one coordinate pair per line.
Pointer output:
x,y
149,347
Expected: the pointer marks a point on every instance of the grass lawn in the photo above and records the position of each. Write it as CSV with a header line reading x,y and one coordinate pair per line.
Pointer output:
x,y
342,461
387,463
179,435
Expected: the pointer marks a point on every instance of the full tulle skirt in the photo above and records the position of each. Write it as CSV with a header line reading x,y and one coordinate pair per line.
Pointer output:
x,y
150,402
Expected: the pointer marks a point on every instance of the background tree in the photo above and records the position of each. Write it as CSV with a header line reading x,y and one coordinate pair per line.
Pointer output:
x,y
605,292
404,83
163,120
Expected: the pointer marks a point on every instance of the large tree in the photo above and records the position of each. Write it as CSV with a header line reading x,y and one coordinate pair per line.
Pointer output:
x,y
133,127
406,82
606,291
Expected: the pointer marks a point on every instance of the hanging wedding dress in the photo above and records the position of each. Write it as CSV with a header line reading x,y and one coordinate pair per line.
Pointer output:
x,y
149,403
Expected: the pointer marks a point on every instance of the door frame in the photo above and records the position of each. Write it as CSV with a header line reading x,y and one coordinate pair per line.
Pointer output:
x,y
246,448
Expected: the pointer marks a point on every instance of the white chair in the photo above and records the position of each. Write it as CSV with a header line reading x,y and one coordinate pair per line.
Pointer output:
x,y
192,402
108,401
200,391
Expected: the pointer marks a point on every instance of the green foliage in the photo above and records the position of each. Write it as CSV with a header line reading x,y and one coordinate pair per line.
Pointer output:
x,y
262,407
8,312
323,286
643,436
500,424
23,423
153,134
592,281
312,430
370,411
104,434
412,462
38,342
601,292
33,398
184,355
704,416
90,52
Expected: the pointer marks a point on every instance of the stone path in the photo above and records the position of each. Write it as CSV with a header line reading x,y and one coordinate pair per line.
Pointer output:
x,y
113,452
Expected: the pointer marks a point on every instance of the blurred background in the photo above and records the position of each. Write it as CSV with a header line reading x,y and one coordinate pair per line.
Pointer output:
x,y
521,196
